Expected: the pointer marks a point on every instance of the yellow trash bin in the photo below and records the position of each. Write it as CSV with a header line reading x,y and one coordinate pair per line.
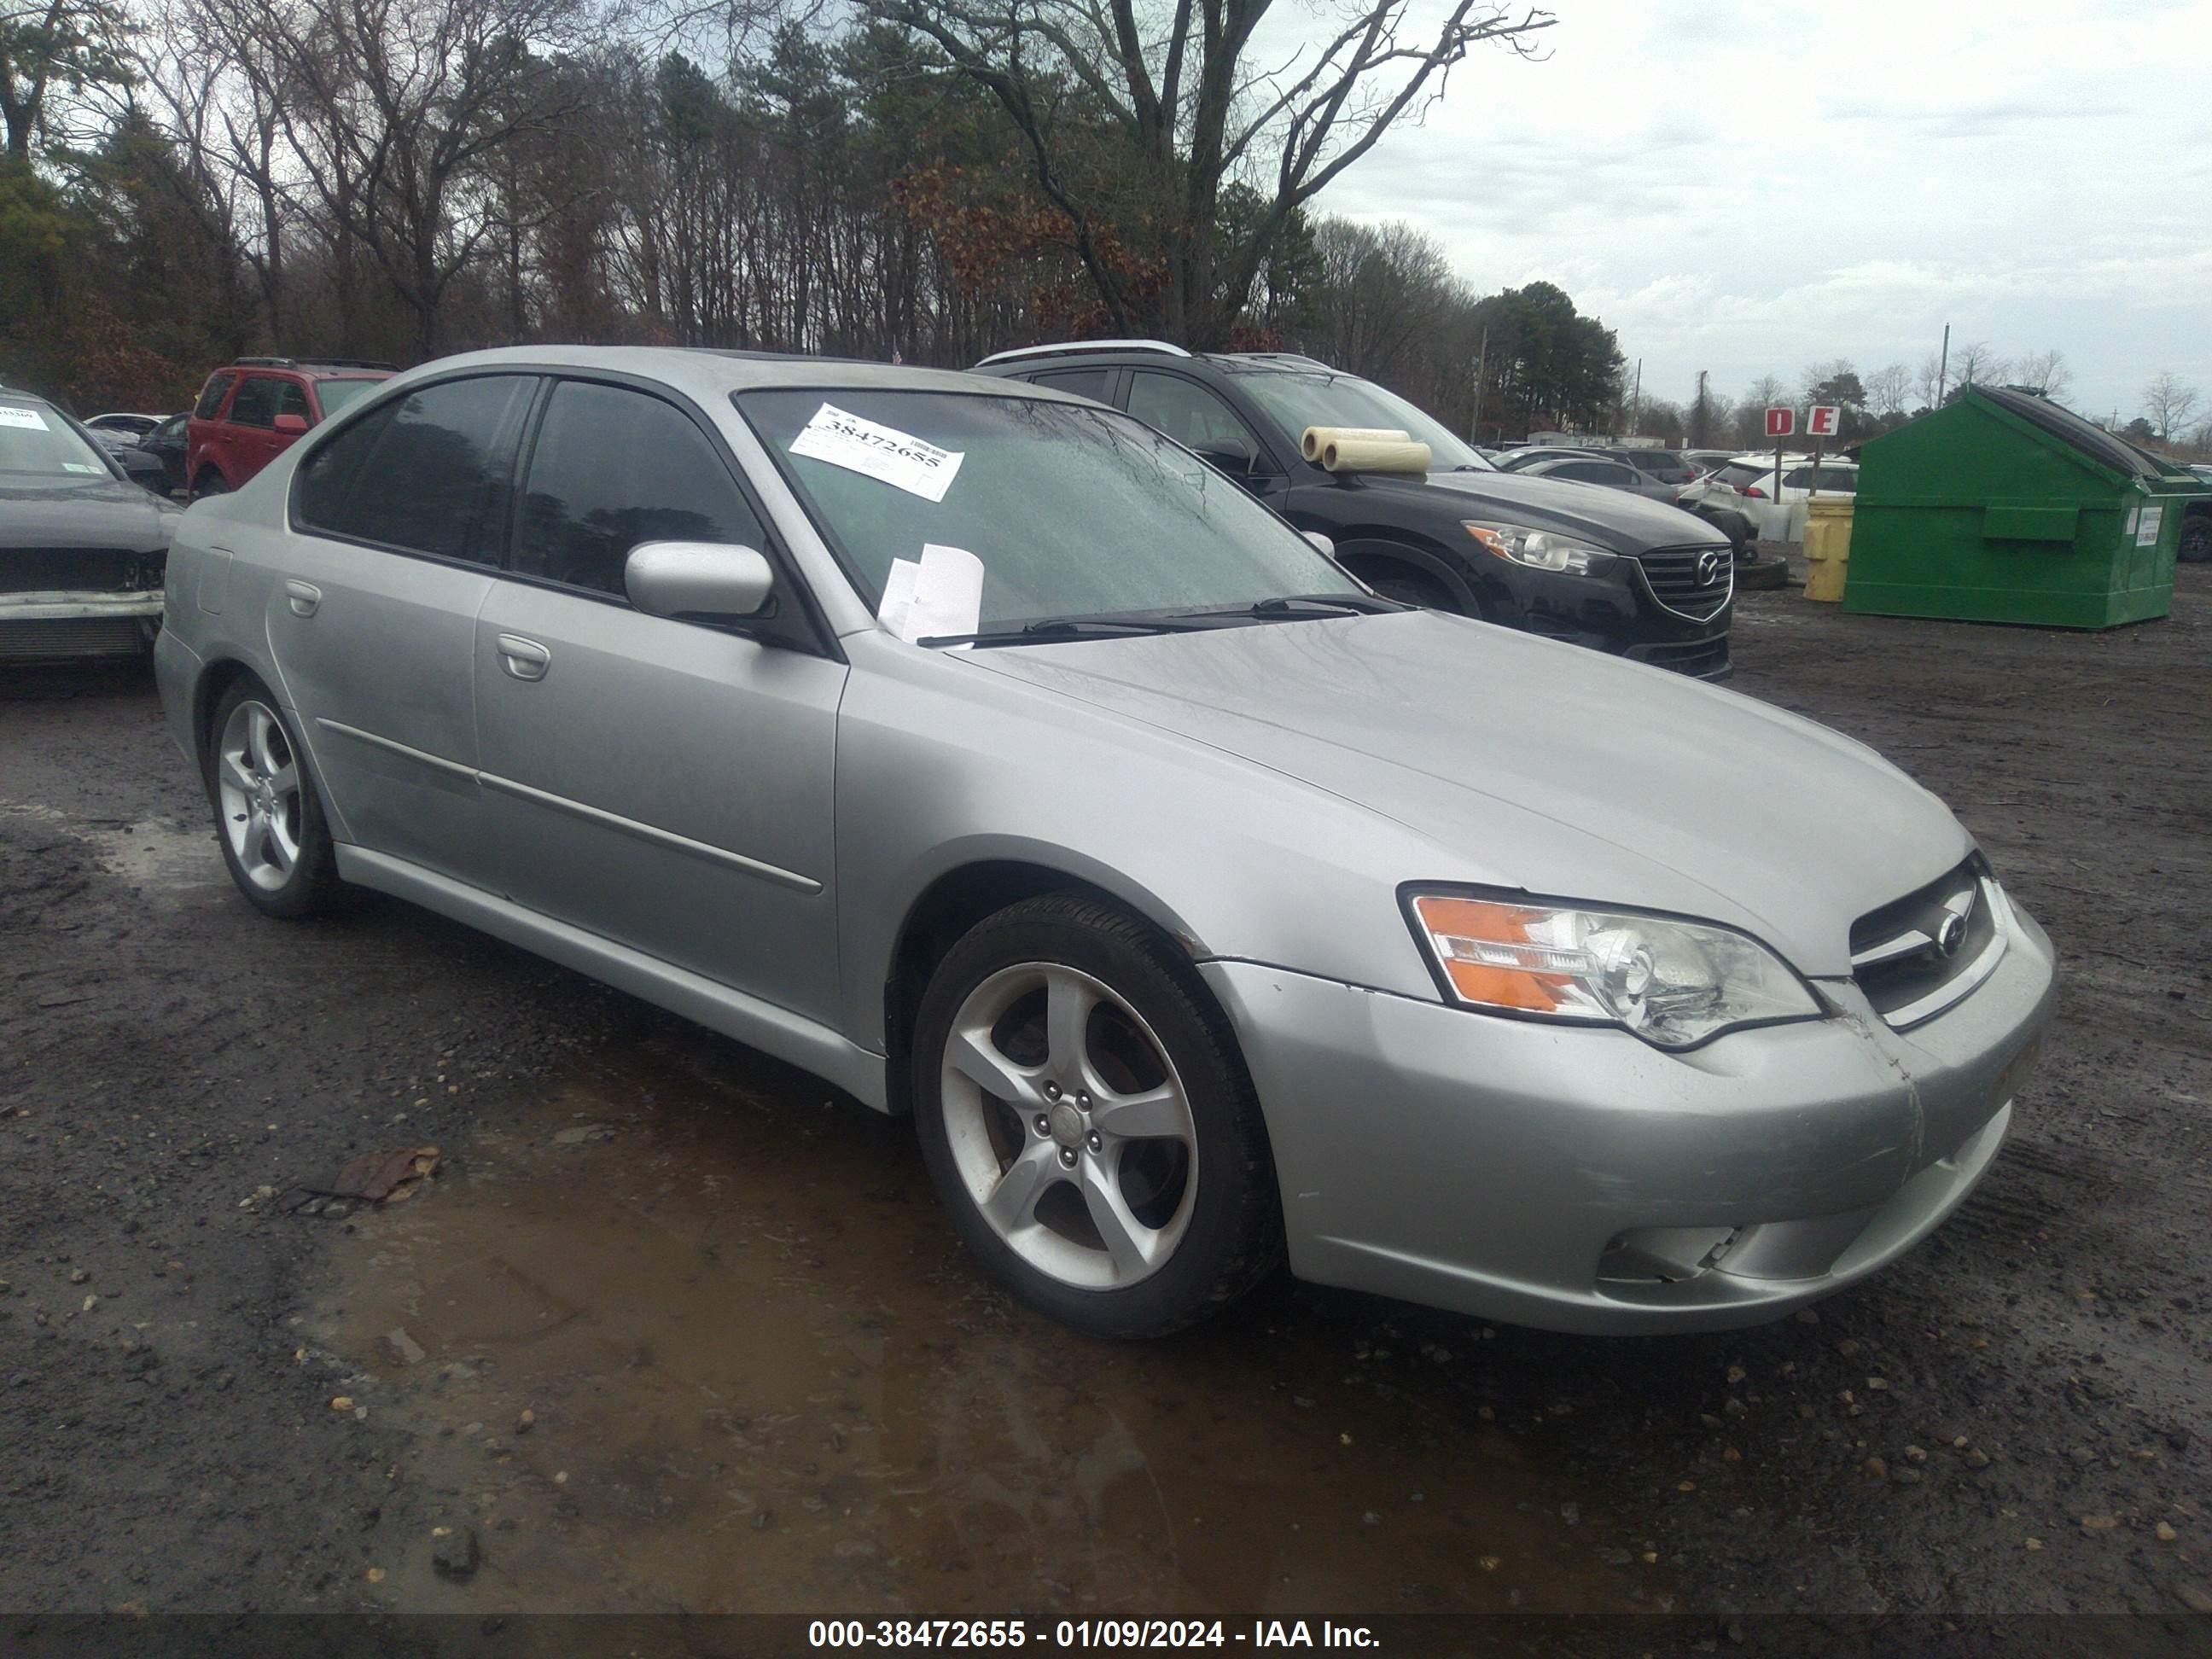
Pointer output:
x,y
1827,546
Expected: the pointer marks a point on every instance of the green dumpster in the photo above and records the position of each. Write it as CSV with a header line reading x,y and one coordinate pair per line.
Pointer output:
x,y
2003,507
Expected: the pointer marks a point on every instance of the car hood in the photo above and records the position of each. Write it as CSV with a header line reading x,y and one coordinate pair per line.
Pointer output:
x,y
1542,767
1613,519
82,511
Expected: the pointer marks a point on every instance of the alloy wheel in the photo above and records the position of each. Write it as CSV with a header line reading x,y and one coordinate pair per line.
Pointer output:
x,y
1069,1126
257,782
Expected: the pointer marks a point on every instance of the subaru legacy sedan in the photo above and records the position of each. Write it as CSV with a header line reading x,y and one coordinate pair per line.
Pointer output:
x,y
993,756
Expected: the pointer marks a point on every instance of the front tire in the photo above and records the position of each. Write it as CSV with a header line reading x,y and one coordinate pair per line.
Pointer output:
x,y
1088,1121
268,818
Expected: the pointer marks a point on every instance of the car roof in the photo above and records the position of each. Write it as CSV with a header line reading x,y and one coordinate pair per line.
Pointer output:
x,y
707,373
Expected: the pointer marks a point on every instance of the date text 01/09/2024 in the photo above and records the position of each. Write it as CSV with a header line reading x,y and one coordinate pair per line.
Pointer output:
x,y
1067,1634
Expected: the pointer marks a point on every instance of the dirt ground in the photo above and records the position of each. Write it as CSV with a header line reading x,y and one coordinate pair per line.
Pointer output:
x,y
676,1327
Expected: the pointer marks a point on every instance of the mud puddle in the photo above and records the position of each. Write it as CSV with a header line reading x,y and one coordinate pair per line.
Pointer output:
x,y
762,1377
156,853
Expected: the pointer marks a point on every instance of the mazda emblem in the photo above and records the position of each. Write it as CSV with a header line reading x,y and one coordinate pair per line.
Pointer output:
x,y
1709,566
1951,934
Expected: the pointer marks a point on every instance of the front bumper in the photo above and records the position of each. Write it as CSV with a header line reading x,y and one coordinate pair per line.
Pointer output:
x,y
1531,1173
58,625
1613,613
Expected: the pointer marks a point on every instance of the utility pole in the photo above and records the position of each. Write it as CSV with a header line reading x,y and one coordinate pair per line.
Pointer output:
x,y
1481,365
1700,416
1943,367
1635,399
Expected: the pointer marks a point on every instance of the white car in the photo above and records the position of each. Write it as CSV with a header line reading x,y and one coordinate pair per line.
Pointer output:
x,y
1747,484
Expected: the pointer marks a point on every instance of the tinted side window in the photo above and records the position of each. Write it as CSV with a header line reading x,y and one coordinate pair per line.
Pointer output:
x,y
1092,383
1190,415
292,399
429,472
612,468
256,403
1838,478
1797,477
1737,476
211,398
1589,472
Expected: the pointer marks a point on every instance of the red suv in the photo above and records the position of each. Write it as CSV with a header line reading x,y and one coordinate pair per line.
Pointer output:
x,y
250,413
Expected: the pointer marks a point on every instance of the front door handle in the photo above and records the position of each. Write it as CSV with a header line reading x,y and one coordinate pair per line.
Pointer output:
x,y
303,598
526,660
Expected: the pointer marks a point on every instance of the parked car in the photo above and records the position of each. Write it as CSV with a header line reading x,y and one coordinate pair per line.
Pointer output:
x,y
1528,455
1667,467
1747,486
165,444
120,431
82,546
1635,578
2196,546
1006,766
1573,466
250,413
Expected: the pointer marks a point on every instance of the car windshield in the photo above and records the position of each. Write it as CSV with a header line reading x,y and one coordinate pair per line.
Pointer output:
x,y
1301,400
1071,511
343,394
35,439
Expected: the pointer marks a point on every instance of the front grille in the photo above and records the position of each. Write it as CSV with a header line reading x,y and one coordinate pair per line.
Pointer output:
x,y
1689,581
1917,956
1703,660
103,569
57,639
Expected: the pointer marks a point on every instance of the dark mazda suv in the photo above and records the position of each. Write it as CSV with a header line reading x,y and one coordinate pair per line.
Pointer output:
x,y
1568,561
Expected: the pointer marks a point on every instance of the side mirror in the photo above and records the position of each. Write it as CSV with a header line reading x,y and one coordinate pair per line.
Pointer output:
x,y
697,578
1323,546
143,467
291,425
1235,463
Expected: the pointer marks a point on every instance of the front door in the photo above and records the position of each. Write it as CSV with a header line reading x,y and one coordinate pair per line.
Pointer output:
x,y
372,609
666,785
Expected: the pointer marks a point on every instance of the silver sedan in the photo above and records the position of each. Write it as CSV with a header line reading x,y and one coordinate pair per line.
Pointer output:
x,y
989,755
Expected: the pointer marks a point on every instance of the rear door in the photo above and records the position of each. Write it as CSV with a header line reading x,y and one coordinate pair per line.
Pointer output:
x,y
666,785
397,525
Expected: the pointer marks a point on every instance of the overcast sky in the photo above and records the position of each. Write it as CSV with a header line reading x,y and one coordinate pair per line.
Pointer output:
x,y
1750,187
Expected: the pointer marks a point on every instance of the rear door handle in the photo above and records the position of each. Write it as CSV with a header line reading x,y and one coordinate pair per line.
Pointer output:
x,y
526,660
303,598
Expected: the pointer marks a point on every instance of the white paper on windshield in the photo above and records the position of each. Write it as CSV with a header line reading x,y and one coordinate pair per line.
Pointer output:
x,y
859,445
29,419
898,596
941,594
2146,523
79,466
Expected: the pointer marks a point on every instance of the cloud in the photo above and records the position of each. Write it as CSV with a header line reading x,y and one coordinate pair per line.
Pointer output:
x,y
1746,188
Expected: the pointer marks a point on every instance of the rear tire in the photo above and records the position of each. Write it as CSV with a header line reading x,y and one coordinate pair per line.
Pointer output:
x,y
1088,1121
210,482
2196,539
268,818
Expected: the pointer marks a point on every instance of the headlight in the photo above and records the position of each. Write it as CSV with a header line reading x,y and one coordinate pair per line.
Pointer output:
x,y
1673,983
1540,549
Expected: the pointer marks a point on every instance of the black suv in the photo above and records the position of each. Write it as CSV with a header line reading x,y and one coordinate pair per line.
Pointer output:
x,y
1568,561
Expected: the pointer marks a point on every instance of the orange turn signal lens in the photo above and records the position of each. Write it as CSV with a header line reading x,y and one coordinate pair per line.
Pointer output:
x,y
1482,947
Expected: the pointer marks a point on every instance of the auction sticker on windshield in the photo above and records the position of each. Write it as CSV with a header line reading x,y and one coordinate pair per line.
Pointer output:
x,y
859,445
29,419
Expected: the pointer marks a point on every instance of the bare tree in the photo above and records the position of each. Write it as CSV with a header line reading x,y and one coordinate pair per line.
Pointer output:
x,y
1888,389
391,110
1975,364
1928,383
1136,123
2047,371
2167,404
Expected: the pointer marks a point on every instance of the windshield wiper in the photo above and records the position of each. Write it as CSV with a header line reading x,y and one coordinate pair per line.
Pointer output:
x,y
1060,628
1295,605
